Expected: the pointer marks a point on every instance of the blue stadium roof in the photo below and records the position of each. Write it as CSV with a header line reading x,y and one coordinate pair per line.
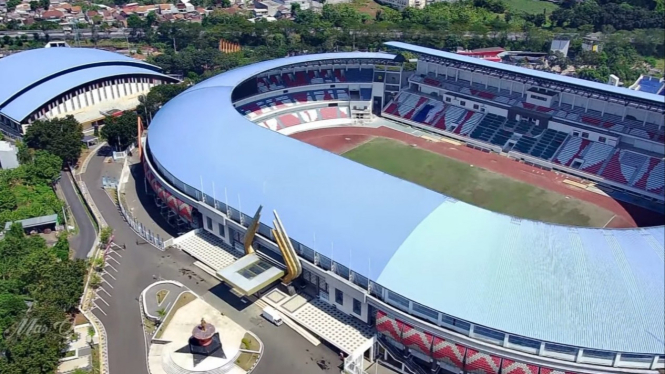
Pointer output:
x,y
585,287
31,69
32,99
584,84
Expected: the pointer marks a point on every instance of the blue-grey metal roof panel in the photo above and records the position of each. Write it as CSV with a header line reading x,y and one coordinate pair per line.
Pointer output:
x,y
530,72
585,287
582,287
202,140
23,69
236,76
34,98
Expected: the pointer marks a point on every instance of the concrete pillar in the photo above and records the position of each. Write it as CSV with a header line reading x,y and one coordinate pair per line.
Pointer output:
x,y
578,356
541,349
654,362
617,359
505,340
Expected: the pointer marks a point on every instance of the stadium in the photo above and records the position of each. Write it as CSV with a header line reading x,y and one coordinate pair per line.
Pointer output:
x,y
444,286
86,83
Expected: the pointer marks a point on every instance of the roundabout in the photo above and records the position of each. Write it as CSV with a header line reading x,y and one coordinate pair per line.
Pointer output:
x,y
194,337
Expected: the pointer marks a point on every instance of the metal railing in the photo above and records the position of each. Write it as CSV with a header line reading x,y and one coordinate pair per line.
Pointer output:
x,y
139,228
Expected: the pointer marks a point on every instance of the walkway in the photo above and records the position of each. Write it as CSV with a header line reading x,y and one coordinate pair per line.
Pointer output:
x,y
83,242
341,330
206,248
142,205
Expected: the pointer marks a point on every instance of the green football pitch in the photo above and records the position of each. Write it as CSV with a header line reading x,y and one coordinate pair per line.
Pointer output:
x,y
476,186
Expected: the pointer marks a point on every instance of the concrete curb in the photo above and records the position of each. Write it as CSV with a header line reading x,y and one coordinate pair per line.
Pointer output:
x,y
260,351
145,290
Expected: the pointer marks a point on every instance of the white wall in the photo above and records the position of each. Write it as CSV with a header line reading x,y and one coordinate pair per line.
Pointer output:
x,y
316,125
102,95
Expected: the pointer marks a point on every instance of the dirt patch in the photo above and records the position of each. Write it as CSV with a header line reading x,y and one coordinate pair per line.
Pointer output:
x,y
334,140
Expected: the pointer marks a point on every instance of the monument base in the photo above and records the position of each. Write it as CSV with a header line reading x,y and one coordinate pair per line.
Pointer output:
x,y
212,349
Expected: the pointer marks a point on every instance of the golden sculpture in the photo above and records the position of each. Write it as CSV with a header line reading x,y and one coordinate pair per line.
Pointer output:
x,y
251,232
293,266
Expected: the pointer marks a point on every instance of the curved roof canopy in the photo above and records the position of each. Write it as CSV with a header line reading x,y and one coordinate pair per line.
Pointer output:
x,y
45,73
580,83
594,288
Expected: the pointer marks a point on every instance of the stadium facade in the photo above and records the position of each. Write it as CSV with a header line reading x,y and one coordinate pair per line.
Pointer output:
x,y
450,286
83,82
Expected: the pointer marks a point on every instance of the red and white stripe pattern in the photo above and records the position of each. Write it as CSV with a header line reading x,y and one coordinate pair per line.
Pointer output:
x,y
552,371
481,363
450,353
512,367
415,339
388,326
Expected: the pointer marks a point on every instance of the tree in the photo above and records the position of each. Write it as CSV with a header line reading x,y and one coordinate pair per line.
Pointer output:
x,y
161,313
120,131
60,136
12,4
45,167
29,271
61,247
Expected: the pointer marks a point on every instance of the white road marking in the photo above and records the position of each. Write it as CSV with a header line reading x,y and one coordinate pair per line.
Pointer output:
x,y
114,252
111,266
109,274
100,309
111,258
608,222
100,298
107,282
105,291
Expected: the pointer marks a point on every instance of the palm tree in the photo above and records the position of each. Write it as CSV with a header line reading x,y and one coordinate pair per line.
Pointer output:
x,y
161,313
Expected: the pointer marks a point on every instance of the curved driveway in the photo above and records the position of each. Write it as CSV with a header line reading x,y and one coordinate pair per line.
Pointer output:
x,y
140,265
81,243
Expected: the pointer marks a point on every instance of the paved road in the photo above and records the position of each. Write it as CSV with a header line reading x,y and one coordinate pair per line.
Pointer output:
x,y
82,242
130,270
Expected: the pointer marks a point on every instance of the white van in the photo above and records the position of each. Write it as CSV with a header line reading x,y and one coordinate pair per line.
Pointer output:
x,y
272,315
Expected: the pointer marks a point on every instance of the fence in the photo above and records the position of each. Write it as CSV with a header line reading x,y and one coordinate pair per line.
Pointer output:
x,y
139,228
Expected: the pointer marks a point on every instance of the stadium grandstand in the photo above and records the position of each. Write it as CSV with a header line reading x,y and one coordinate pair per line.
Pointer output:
x,y
442,285
47,83
650,85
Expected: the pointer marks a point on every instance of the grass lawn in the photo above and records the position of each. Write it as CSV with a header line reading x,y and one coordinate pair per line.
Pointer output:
x,y
183,300
248,342
476,186
246,360
161,295
530,6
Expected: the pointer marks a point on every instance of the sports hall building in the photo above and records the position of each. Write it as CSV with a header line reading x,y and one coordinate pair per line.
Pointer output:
x,y
443,285
48,83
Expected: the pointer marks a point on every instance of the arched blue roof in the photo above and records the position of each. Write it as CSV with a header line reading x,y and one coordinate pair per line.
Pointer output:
x,y
594,288
47,72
